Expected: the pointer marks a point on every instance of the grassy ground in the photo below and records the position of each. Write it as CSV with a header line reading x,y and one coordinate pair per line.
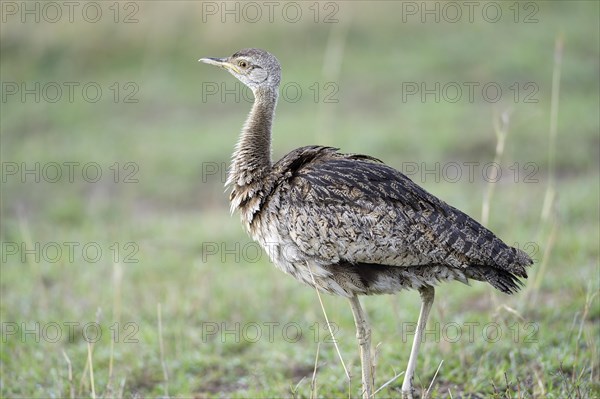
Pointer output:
x,y
138,283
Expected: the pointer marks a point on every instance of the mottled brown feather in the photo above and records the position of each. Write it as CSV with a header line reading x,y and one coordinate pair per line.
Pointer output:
x,y
351,214
347,223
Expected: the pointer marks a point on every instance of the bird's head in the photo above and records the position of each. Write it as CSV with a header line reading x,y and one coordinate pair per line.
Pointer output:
x,y
254,67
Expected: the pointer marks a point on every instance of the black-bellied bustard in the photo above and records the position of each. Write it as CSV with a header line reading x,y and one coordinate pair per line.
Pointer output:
x,y
348,224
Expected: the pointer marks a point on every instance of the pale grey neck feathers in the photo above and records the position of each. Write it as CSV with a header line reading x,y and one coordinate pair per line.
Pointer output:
x,y
252,155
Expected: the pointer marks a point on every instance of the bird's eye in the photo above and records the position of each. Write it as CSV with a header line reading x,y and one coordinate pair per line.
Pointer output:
x,y
242,64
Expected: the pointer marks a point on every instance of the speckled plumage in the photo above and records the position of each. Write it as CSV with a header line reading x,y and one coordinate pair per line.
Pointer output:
x,y
364,228
350,225
361,226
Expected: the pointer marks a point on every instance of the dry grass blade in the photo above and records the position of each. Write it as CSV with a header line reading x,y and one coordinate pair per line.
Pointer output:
x,y
110,362
433,379
394,378
313,381
550,198
329,324
540,384
295,389
589,298
501,130
117,277
88,363
91,368
509,310
162,351
551,190
82,381
545,259
70,374
122,388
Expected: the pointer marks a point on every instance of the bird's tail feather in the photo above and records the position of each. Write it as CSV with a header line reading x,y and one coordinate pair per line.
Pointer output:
x,y
502,280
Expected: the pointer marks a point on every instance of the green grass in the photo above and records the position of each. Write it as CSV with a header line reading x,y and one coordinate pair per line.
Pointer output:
x,y
173,215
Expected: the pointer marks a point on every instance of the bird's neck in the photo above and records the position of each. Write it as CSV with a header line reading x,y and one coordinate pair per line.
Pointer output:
x,y
252,155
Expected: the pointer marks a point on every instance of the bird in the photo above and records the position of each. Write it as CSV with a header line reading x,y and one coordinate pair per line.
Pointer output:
x,y
350,225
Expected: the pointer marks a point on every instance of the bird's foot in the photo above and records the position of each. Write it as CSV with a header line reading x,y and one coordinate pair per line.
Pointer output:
x,y
407,387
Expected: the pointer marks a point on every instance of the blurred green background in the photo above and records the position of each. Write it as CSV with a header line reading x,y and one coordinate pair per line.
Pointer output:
x,y
183,300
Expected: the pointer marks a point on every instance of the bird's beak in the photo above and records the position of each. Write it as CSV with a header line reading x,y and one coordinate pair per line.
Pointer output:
x,y
220,62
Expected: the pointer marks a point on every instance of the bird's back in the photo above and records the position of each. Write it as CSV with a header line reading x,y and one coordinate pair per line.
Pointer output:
x,y
353,216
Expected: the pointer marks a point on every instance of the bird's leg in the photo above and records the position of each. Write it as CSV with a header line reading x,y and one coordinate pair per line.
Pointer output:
x,y
363,334
427,295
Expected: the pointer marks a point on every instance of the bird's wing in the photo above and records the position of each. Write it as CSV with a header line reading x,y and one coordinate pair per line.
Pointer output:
x,y
353,208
